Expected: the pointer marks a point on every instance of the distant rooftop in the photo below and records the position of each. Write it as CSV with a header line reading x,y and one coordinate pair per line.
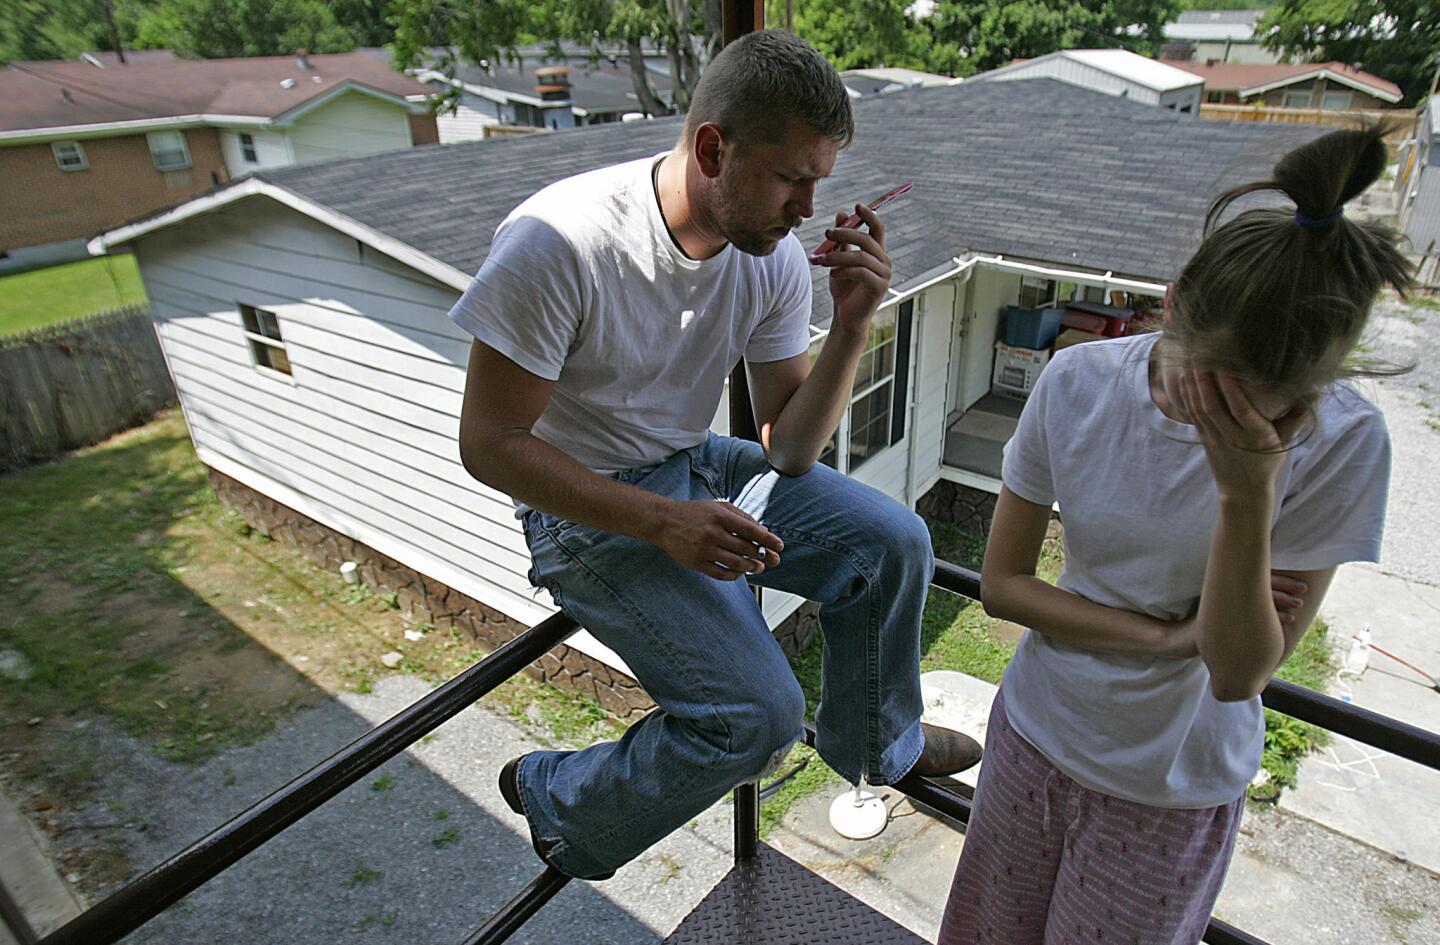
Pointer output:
x,y
1215,25
874,81
1159,76
1138,69
155,85
1248,17
1246,78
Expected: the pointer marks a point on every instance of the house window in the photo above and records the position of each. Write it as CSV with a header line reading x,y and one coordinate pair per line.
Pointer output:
x,y
262,330
830,455
247,148
167,149
877,400
1296,100
69,155
1336,100
1036,292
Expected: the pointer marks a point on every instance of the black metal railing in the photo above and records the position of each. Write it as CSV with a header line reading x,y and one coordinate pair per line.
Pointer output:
x,y
154,892
140,901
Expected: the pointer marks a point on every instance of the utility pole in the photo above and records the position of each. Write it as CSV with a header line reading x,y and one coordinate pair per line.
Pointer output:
x,y
114,33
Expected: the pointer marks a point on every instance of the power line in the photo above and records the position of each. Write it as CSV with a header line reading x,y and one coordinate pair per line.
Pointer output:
x,y
83,86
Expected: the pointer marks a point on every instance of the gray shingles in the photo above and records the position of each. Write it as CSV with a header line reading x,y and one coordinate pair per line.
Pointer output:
x,y
1035,169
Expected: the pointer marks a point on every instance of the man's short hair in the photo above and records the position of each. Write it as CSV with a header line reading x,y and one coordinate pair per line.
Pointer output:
x,y
764,80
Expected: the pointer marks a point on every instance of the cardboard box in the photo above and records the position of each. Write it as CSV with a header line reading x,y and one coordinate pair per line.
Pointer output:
x,y
1074,336
1017,370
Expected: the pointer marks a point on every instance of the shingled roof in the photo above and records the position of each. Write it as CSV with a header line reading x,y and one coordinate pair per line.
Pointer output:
x,y
1251,78
68,93
1038,170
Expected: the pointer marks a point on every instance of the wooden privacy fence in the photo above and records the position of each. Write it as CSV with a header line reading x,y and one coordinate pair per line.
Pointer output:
x,y
1334,117
73,384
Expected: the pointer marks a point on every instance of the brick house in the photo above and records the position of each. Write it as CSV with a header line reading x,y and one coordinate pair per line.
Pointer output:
x,y
86,144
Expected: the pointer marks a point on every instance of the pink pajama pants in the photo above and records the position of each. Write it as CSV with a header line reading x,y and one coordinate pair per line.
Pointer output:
x,y
1048,862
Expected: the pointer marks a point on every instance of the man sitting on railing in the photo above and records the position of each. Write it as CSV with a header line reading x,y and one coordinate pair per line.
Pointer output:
x,y
609,312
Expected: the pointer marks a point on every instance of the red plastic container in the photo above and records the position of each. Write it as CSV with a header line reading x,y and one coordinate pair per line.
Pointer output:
x,y
1107,320
1084,321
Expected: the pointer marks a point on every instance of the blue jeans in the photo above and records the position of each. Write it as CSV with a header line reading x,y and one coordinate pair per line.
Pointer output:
x,y
729,705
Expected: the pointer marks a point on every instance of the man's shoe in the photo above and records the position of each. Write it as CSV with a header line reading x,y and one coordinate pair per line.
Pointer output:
x,y
510,791
946,752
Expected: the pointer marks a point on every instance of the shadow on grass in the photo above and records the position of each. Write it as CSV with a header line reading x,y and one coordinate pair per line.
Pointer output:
x,y
139,715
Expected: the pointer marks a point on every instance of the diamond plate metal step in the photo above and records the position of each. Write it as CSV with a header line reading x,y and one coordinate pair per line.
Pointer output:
x,y
772,900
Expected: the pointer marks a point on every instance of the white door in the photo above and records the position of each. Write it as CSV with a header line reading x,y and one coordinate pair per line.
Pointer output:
x,y
987,293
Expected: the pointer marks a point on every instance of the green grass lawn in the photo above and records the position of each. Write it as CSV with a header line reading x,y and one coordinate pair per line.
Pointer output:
x,y
955,633
41,297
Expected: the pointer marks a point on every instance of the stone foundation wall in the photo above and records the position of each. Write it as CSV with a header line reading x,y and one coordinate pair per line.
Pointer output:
x,y
971,510
427,600
968,509
797,630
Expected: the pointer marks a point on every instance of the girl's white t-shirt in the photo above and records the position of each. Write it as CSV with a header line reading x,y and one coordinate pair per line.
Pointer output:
x,y
1139,503
583,285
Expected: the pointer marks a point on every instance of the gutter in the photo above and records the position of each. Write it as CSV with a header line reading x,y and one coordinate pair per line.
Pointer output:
x,y
110,128
1108,280
998,263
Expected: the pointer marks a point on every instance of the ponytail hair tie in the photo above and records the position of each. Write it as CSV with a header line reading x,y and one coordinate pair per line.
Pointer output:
x,y
1315,223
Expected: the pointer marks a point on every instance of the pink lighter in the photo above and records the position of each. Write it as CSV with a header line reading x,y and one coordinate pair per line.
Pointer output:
x,y
854,219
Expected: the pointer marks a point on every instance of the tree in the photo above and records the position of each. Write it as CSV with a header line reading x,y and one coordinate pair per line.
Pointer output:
x,y
63,29
855,35
1397,40
368,21
687,31
219,28
26,31
970,37
440,35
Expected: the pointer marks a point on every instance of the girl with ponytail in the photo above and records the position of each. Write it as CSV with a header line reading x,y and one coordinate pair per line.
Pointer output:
x,y
1208,498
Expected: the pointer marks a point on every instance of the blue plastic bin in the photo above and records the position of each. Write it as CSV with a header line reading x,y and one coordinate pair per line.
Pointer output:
x,y
1033,328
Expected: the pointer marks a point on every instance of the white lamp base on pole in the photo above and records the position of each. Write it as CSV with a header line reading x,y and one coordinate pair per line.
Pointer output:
x,y
858,815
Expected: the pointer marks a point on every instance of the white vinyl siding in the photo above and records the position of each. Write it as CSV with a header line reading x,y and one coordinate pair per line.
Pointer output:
x,y
168,150
70,156
364,440
1420,217
353,124
1084,75
269,147
470,120
1183,100
938,342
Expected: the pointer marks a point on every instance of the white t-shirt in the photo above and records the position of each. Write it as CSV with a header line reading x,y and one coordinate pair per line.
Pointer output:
x,y
583,285
1139,505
